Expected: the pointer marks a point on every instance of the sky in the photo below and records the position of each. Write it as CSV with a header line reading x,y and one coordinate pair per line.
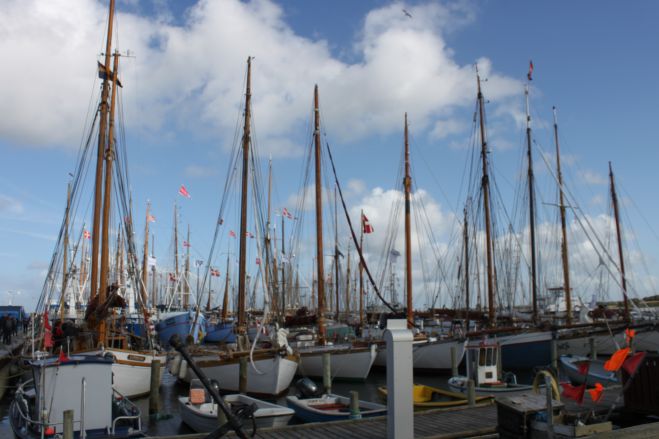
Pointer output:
x,y
183,70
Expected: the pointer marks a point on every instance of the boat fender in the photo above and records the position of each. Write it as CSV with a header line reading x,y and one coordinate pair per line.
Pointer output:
x,y
175,364
183,370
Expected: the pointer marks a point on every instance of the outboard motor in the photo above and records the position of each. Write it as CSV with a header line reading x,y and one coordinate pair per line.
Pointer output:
x,y
307,388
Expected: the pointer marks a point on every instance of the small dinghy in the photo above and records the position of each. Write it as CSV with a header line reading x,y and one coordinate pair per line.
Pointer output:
x,y
200,413
310,406
432,397
596,372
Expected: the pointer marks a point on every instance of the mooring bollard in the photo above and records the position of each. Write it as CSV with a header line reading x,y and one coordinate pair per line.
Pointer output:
x,y
400,408
327,372
454,366
471,393
354,405
68,424
154,391
550,408
242,383
593,348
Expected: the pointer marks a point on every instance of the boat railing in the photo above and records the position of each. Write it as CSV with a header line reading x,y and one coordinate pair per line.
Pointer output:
x,y
128,407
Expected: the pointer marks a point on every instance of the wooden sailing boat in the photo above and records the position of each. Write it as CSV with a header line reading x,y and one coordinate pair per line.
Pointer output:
x,y
270,371
347,361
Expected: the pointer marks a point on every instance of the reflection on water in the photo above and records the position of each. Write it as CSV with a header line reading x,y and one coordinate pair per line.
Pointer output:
x,y
170,390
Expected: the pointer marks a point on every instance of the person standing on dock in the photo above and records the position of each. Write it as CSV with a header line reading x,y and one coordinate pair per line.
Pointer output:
x,y
6,330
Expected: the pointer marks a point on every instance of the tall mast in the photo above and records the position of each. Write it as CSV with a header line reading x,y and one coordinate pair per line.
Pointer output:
x,y
283,269
534,283
466,268
145,260
407,185
100,155
225,299
564,253
186,285
268,285
154,292
65,255
361,273
347,306
107,202
176,271
336,256
319,221
485,183
242,261
616,213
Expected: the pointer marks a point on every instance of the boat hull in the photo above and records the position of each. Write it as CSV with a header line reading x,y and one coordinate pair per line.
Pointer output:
x,y
182,323
220,332
521,350
596,371
577,341
346,362
309,410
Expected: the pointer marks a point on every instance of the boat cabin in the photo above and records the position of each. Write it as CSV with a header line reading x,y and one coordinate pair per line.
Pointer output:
x,y
483,363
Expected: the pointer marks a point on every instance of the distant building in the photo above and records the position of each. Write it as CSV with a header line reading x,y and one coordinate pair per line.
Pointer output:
x,y
16,311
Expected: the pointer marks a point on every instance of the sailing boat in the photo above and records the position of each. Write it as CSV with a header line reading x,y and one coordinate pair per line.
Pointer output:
x,y
270,371
347,361
429,353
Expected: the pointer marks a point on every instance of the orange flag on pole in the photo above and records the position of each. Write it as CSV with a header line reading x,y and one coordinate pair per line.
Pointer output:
x,y
614,363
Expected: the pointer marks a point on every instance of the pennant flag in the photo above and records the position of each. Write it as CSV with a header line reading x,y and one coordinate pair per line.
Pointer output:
x,y
632,363
103,74
150,218
172,278
614,363
186,244
184,192
530,74
366,225
287,214
151,262
48,335
258,261
248,235
215,272
596,393
573,392
87,235
232,233
629,335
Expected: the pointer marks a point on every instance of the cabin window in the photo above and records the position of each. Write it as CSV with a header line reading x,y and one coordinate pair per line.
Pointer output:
x,y
482,356
490,357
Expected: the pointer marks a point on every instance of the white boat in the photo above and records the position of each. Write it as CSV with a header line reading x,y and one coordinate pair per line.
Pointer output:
x,y
346,361
576,341
331,407
132,370
200,413
596,372
81,383
430,354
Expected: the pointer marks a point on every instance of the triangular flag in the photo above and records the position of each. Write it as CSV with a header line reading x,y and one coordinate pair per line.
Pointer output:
x,y
583,367
183,191
574,392
596,393
614,363
629,335
632,363
62,356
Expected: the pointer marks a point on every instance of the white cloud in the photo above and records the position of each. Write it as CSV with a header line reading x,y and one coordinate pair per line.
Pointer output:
x,y
10,205
198,171
189,78
593,178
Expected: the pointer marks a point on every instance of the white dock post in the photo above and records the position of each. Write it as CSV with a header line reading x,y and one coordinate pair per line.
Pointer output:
x,y
400,410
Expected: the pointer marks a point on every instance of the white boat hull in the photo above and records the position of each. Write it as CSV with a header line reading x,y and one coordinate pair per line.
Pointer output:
x,y
345,362
433,355
265,376
646,339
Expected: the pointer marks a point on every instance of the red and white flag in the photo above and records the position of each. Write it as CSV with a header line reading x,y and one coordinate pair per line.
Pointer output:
x,y
232,233
86,234
258,261
366,225
248,235
286,213
215,272
48,333
184,192
172,278
186,244
530,74
150,218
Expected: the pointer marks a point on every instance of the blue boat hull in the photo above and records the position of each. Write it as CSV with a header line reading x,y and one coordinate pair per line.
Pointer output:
x,y
181,324
221,332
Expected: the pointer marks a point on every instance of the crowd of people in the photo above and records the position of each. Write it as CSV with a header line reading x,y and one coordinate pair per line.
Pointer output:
x,y
10,325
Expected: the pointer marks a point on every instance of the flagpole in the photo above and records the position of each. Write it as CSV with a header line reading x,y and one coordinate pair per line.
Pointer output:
x,y
361,275
407,185
319,222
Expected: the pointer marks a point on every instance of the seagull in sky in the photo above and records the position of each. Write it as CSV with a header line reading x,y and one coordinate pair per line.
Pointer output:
x,y
407,13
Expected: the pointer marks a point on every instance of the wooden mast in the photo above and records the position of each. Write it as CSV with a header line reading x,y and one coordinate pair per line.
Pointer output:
x,y
242,258
485,184
616,213
283,268
98,186
154,292
177,279
268,284
564,250
225,299
145,260
65,255
186,285
319,222
534,282
466,268
107,203
347,305
336,257
407,185
361,273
